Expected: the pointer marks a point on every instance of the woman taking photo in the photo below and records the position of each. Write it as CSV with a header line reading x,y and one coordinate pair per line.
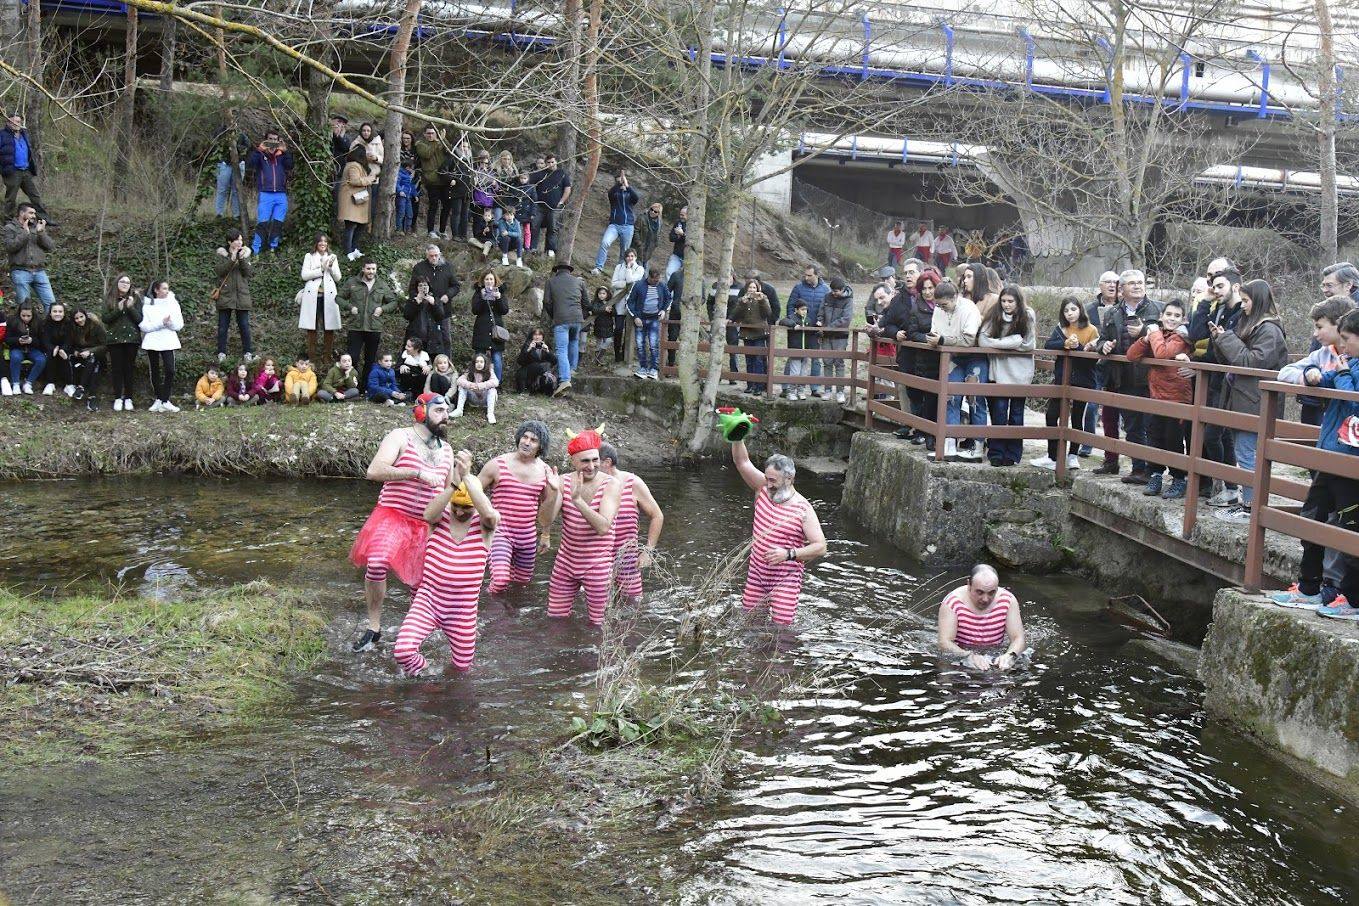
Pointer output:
x,y
1010,326
751,313
122,319
490,307
537,366
161,323
318,312
356,198
90,358
425,317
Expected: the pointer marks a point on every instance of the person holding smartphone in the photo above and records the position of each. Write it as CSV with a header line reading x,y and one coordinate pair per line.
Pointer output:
x,y
1123,326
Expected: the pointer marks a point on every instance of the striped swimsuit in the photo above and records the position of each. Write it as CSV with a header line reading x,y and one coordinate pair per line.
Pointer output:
x,y
627,575
409,497
776,525
514,546
583,558
978,631
447,596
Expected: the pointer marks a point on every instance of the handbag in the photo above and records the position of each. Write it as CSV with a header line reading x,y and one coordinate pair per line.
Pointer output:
x,y
216,294
482,198
360,196
498,330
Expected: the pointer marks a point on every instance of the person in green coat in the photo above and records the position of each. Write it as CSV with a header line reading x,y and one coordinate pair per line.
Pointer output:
x,y
234,271
429,160
366,297
122,317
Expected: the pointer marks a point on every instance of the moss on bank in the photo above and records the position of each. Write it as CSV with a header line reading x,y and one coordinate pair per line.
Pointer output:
x,y
91,674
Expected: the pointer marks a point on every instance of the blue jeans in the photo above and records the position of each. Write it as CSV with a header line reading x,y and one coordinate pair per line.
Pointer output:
x,y
611,232
498,363
1006,410
1243,445
16,361
226,191
566,337
1091,419
27,282
974,366
242,325
674,264
405,214
756,364
814,342
273,211
648,338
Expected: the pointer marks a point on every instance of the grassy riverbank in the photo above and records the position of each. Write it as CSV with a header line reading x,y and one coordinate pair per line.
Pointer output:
x,y
53,437
96,674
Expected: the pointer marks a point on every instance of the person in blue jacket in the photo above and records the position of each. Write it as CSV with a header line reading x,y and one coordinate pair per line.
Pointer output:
x,y
811,289
382,386
622,220
271,162
647,305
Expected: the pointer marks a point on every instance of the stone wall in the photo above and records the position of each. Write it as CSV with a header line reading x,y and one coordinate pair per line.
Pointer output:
x,y
1289,678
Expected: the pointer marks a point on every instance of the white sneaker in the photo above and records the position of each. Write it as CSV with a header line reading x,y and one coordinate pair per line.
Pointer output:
x,y
168,406
28,388
951,448
1225,497
221,357
69,390
551,253
49,389
248,357
127,405
354,254
118,405
840,398
391,402
1073,461
640,374
5,388
595,272
504,260
654,374
490,418
156,406
434,234
456,413
804,394
972,455
1044,462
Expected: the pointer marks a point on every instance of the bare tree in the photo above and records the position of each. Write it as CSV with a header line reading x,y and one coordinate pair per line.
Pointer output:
x,y
1327,114
391,130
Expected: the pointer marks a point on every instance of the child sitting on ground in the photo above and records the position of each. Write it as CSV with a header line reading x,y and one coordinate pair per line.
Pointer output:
x,y
441,379
478,385
299,386
1167,339
794,366
267,387
341,383
382,386
414,367
239,387
484,233
210,392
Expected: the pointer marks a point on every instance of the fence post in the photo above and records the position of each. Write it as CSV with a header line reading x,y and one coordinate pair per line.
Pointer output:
x,y
941,406
769,361
871,392
1196,430
853,368
1255,537
1063,413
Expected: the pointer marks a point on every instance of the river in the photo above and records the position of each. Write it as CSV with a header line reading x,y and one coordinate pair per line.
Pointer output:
x,y
1090,777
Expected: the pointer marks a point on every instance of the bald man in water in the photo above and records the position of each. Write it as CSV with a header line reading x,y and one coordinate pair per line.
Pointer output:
x,y
979,616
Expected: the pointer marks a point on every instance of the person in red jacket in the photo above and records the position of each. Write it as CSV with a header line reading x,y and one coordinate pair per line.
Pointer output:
x,y
1167,339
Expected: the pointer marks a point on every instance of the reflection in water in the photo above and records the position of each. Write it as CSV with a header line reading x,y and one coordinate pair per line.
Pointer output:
x,y
1087,776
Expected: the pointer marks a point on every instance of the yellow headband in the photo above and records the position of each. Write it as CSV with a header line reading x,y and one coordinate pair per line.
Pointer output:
x,y
460,496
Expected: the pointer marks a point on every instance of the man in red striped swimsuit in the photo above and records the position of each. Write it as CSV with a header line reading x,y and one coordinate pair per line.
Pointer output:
x,y
787,535
517,482
412,464
635,498
588,512
978,616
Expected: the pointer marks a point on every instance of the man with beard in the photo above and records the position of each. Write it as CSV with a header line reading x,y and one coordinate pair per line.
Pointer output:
x,y
463,522
787,535
517,481
588,502
413,465
634,498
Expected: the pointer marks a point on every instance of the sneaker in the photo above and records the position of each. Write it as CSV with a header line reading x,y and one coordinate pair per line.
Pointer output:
x,y
1153,488
1108,467
1135,477
1176,489
595,272
354,254
157,406
69,390
49,389
972,454
551,253
904,433
368,642
434,234
1044,462
490,418
1328,594
562,388
1084,451
456,413
391,402
1340,610
28,388
168,406
118,405
804,394
504,260
950,449
640,374
248,357
78,394
840,398
221,357
127,405
1295,599
1072,461
919,439
5,389
1225,497
1236,515
654,375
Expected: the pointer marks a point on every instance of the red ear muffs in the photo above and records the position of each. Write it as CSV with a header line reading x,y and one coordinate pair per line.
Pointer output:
x,y
419,413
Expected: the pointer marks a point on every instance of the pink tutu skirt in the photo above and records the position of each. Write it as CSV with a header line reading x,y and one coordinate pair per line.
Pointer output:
x,y
392,539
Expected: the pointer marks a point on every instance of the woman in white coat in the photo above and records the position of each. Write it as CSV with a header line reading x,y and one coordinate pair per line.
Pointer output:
x,y
161,323
318,312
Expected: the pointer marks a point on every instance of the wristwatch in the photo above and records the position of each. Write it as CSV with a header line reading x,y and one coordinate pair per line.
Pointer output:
x,y
792,553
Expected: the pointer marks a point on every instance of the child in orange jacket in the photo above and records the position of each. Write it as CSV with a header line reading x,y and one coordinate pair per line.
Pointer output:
x,y
1167,339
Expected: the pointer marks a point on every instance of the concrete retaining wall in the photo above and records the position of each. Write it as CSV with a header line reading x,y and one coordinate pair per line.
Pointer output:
x,y
1290,678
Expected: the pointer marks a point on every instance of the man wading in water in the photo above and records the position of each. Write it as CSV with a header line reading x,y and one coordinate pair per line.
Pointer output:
x,y
588,502
413,465
634,497
787,535
516,482
978,616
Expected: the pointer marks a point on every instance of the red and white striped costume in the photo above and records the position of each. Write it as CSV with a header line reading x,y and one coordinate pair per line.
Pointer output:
x,y
514,546
584,558
394,535
980,630
627,575
776,525
447,596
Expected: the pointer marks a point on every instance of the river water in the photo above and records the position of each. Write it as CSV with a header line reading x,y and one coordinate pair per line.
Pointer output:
x,y
1090,777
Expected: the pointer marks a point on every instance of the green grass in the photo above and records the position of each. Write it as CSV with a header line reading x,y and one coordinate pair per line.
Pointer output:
x,y
92,674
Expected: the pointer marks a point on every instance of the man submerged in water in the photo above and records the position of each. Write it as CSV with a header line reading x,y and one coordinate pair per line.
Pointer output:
x,y
979,616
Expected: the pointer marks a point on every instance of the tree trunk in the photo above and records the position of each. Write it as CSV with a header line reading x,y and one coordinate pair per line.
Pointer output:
x,y
717,358
34,105
168,38
232,130
572,102
391,130
593,136
318,84
1330,241
699,81
127,107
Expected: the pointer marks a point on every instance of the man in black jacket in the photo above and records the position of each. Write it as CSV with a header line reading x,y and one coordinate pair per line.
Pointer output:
x,y
443,284
1123,325
554,189
678,238
1222,306
650,228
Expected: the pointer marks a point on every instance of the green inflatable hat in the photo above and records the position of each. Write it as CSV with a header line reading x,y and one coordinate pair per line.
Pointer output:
x,y
735,424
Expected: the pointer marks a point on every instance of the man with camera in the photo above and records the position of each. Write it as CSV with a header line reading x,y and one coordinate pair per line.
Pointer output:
x,y
622,220
1120,329
271,162
27,243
